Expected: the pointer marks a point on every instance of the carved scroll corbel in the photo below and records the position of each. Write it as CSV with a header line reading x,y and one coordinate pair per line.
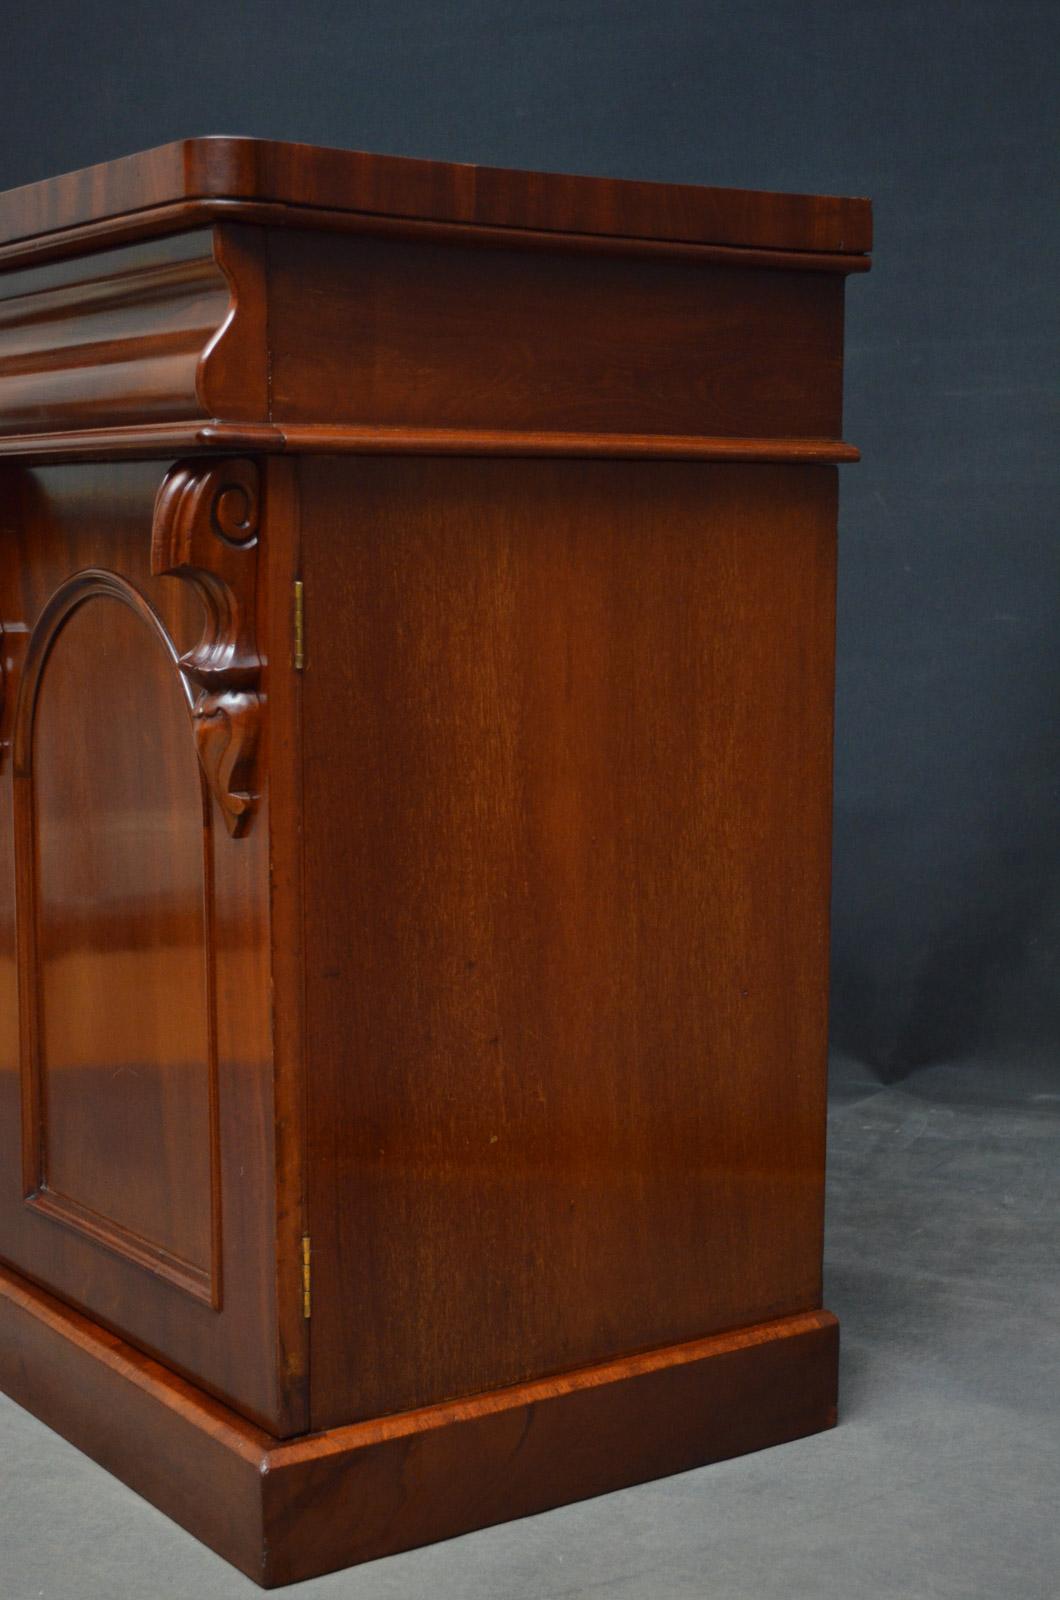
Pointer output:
x,y
206,531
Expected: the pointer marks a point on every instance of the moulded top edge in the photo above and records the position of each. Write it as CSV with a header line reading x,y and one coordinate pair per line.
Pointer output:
x,y
268,171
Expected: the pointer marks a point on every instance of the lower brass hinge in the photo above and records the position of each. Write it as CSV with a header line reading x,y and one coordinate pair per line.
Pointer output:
x,y
298,652
307,1279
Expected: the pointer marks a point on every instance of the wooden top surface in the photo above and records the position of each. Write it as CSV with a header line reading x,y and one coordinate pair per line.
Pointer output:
x,y
255,171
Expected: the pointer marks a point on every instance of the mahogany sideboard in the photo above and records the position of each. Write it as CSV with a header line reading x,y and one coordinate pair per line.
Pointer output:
x,y
417,594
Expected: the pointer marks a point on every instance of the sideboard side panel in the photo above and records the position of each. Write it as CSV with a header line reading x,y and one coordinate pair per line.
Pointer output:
x,y
567,787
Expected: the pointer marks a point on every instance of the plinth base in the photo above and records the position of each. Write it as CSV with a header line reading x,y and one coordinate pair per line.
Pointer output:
x,y
282,1511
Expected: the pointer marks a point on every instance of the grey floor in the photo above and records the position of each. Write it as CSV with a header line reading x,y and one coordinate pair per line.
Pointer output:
x,y
942,1481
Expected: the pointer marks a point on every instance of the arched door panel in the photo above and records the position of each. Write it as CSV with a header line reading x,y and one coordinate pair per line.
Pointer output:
x,y
138,1143
114,847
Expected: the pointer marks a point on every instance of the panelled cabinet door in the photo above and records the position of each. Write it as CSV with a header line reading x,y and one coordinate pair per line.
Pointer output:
x,y
136,1094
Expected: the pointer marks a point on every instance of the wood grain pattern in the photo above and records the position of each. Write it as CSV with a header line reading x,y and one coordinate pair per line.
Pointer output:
x,y
436,337
567,752
398,334
352,181
286,1512
128,1156
181,1450
184,215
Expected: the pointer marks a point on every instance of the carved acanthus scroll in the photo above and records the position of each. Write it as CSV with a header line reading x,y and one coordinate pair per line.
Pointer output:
x,y
206,531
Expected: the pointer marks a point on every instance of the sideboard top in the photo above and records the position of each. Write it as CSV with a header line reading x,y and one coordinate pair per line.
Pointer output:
x,y
185,176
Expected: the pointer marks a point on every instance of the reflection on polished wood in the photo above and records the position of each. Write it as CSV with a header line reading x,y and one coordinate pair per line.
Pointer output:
x,y
152,306
115,936
416,593
596,927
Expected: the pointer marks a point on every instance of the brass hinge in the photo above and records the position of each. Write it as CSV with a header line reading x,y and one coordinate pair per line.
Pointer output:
x,y
307,1279
299,625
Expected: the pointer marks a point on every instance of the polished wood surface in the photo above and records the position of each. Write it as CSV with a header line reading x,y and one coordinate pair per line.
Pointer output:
x,y
142,335
297,175
416,620
440,339
112,896
283,1512
397,333
151,440
583,917
149,309
137,1117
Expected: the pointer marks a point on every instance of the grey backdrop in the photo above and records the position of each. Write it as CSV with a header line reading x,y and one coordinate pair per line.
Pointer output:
x,y
947,866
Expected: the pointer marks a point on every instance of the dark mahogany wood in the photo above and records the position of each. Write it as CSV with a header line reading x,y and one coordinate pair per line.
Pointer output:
x,y
350,181
116,443
438,337
283,1512
416,620
146,334
106,911
582,922
395,333
136,1064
